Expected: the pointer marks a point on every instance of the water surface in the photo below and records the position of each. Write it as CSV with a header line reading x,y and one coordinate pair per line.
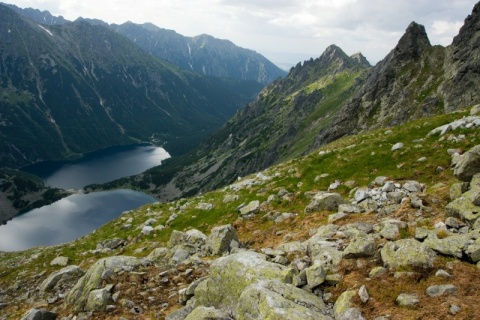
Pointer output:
x,y
68,219
99,166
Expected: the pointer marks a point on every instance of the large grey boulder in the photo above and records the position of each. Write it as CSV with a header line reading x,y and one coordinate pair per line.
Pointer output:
x,y
325,201
407,253
468,165
324,252
37,314
466,206
274,300
93,278
220,239
360,246
450,246
230,275
99,299
65,277
343,308
250,209
207,313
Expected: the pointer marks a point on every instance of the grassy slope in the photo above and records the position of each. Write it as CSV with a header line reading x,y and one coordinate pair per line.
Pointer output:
x,y
360,158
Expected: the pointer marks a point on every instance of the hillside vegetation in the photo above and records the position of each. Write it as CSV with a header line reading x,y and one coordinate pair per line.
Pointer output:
x,y
283,191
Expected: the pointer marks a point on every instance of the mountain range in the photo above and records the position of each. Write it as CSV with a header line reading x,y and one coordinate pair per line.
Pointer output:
x,y
202,54
325,99
76,87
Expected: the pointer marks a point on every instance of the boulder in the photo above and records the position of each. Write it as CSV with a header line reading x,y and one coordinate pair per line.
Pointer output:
x,y
408,300
438,290
361,246
60,261
468,165
37,314
220,239
252,208
390,231
275,300
457,189
207,313
159,256
92,280
464,209
230,275
325,202
407,253
342,309
450,246
473,252
99,299
67,277
315,275
324,252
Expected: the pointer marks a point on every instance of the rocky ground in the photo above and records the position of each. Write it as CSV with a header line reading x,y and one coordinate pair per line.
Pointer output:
x,y
291,242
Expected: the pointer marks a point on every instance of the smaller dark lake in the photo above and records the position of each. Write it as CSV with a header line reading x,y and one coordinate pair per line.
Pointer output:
x,y
68,219
99,166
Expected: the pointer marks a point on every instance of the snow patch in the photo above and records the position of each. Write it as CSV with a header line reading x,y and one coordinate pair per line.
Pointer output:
x,y
46,30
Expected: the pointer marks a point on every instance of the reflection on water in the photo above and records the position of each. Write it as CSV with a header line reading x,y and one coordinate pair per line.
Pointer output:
x,y
68,219
100,166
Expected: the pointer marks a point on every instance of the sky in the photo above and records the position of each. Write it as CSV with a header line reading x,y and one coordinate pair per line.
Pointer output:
x,y
284,31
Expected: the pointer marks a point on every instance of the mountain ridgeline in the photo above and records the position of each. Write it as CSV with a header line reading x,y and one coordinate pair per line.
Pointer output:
x,y
76,87
325,99
202,54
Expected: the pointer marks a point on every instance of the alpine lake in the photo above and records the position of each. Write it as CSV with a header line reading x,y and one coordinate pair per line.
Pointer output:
x,y
79,214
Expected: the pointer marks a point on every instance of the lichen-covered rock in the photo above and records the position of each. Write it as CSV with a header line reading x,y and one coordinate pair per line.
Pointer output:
x,y
438,290
274,300
410,300
98,299
473,251
67,276
325,201
207,313
407,253
450,246
220,239
60,261
468,165
37,314
315,275
92,280
252,208
361,245
464,209
390,231
343,303
457,189
230,275
324,252
159,255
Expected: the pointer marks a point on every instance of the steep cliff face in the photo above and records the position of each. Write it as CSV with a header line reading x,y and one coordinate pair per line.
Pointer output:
x,y
462,72
404,85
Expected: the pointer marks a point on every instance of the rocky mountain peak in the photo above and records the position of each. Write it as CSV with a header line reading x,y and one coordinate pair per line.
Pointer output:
x,y
412,43
360,59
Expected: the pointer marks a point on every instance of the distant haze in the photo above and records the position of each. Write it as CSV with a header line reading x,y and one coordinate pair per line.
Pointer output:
x,y
284,31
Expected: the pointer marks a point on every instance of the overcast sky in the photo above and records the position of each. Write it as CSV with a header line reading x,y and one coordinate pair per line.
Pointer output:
x,y
285,31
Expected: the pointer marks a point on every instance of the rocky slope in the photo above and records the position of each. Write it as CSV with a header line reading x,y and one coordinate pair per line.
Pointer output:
x,y
373,226
73,88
